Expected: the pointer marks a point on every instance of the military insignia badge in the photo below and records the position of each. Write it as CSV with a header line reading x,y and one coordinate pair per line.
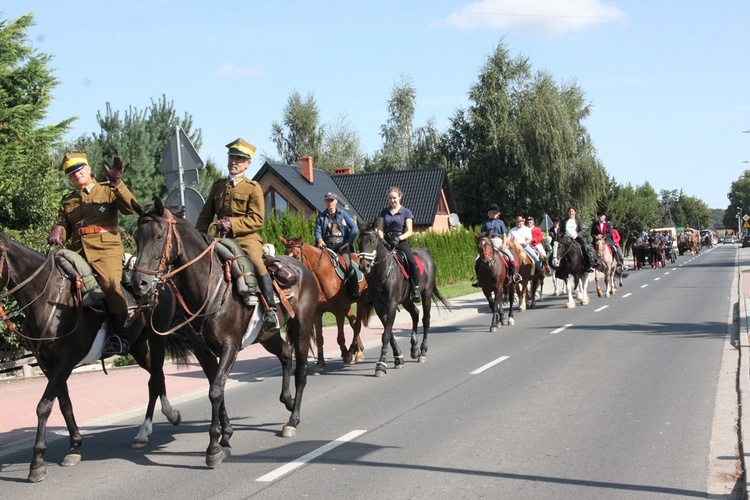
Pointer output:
x,y
102,209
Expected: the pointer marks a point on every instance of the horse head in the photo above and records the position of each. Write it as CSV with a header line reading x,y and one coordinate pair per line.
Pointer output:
x,y
372,248
485,248
293,246
158,243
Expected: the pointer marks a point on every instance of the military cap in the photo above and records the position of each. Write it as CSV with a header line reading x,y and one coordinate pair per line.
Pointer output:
x,y
73,162
241,147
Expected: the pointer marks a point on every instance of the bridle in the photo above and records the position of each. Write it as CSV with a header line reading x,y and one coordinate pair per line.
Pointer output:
x,y
371,257
487,257
5,265
164,273
303,257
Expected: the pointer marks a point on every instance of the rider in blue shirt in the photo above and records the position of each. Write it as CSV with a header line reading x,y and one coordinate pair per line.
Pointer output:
x,y
336,230
395,226
496,227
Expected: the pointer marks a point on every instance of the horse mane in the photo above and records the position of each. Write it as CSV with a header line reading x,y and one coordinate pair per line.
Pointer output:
x,y
522,255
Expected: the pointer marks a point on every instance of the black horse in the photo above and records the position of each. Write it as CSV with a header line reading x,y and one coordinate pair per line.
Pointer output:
x,y
568,262
62,334
172,254
388,287
493,278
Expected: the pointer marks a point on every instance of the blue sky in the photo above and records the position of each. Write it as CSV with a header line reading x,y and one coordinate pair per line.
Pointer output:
x,y
668,80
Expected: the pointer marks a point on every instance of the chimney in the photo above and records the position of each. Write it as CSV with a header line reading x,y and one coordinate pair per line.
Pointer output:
x,y
306,168
343,171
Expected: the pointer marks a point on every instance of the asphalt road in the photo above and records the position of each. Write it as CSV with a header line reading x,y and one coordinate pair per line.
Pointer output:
x,y
626,397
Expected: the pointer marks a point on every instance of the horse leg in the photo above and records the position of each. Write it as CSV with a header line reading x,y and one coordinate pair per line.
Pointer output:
x,y
511,291
210,366
497,311
56,384
341,339
596,280
414,313
355,350
319,344
387,318
73,455
299,336
215,450
571,290
584,283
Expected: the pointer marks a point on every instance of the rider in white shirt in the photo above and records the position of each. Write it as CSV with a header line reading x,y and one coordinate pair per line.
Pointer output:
x,y
522,234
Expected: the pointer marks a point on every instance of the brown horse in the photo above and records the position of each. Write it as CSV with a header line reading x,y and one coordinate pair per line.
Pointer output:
x,y
607,268
332,298
531,280
172,254
63,333
492,276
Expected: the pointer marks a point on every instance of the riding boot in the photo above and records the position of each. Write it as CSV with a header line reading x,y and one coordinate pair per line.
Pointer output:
x,y
413,277
352,285
512,271
117,342
270,319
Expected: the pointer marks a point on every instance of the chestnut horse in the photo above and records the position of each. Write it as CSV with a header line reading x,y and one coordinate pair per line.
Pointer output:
x,y
332,298
531,279
172,254
492,276
63,334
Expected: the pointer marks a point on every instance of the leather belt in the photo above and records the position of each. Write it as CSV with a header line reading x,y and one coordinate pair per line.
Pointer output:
x,y
97,229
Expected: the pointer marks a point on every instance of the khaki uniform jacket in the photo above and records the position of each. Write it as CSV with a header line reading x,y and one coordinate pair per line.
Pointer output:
x,y
95,205
240,199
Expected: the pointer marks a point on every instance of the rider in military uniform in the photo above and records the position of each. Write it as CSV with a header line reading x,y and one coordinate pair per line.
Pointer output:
x,y
88,217
238,204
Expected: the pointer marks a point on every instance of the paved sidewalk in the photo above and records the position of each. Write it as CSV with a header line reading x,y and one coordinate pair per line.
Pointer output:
x,y
98,399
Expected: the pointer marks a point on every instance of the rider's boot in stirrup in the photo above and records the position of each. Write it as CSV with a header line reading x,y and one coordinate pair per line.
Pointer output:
x,y
413,277
270,319
352,286
512,270
116,343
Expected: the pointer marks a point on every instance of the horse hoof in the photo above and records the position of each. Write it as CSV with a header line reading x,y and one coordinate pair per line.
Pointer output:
x,y
511,322
178,420
139,443
214,459
570,305
360,357
380,369
227,451
348,360
415,354
493,329
36,475
70,460
318,370
422,358
288,431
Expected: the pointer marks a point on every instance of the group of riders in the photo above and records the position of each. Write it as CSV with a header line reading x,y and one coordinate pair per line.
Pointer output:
x,y
531,239
87,222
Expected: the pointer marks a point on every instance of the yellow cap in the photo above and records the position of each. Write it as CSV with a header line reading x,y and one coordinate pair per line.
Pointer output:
x,y
73,162
241,147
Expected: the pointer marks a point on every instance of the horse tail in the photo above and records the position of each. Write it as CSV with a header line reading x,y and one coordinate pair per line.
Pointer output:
x,y
440,300
364,312
179,349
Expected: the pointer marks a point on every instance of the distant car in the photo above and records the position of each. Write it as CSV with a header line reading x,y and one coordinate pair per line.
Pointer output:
x,y
728,239
746,241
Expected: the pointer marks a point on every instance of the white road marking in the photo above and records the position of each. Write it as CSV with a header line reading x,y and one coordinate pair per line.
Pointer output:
x,y
627,295
600,309
657,279
644,286
306,458
489,365
562,328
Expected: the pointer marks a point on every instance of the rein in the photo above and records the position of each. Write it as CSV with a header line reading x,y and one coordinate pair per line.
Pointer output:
x,y
167,278
7,319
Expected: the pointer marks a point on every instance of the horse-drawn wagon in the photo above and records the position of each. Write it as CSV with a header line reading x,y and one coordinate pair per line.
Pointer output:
x,y
670,242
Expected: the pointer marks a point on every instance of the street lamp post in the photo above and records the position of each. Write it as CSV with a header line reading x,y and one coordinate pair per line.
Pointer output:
x,y
739,221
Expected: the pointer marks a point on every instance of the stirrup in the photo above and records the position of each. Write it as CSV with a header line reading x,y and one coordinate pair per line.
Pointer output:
x,y
115,345
415,295
517,278
270,320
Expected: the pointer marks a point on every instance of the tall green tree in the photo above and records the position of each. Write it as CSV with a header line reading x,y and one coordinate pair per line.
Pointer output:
x,y
299,132
29,177
739,198
397,132
522,144
341,147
